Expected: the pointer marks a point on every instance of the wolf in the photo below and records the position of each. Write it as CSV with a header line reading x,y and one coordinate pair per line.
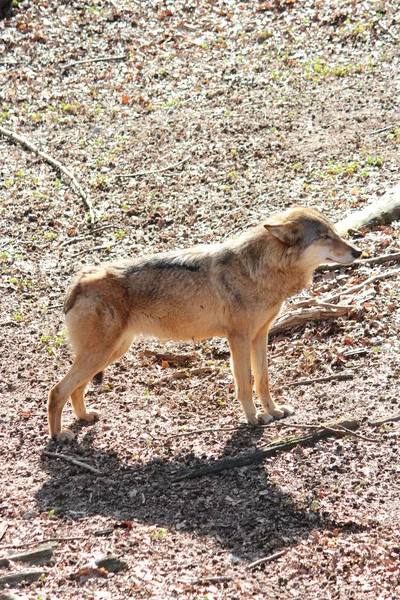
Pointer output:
x,y
234,290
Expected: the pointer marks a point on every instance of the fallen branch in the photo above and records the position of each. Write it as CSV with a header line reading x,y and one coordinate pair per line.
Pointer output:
x,y
39,556
383,129
377,260
92,60
46,541
384,211
337,377
390,419
21,577
305,315
72,460
55,164
205,580
141,173
94,249
79,238
346,291
322,432
266,559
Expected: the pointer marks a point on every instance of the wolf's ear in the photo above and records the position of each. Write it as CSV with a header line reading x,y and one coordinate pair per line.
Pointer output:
x,y
288,232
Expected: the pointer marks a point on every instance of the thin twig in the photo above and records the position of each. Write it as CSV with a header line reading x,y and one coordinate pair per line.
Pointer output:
x,y
55,164
383,129
358,435
72,460
79,238
54,306
3,529
344,291
94,249
338,377
378,260
92,60
380,422
197,431
205,580
155,171
266,559
40,542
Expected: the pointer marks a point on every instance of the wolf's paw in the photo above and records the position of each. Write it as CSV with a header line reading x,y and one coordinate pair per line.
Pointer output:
x,y
252,419
284,410
91,415
264,417
65,436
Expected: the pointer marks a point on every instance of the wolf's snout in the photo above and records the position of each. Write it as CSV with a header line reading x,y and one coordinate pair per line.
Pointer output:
x,y
356,253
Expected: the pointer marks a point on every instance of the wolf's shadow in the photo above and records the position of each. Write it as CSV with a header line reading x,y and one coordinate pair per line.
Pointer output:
x,y
241,508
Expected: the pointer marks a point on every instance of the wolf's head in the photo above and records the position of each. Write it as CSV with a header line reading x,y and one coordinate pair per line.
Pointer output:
x,y
310,237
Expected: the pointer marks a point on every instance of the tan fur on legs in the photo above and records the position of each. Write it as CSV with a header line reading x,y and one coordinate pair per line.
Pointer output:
x,y
259,365
79,406
239,344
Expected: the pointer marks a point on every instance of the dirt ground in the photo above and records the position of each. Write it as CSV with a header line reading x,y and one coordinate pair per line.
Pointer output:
x,y
225,112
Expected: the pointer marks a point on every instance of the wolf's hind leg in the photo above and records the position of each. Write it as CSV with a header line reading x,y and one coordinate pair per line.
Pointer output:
x,y
73,384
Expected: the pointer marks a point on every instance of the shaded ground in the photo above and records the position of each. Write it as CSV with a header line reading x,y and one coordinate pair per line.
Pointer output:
x,y
272,104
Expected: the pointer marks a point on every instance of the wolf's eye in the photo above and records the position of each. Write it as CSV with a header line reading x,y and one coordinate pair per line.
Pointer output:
x,y
324,236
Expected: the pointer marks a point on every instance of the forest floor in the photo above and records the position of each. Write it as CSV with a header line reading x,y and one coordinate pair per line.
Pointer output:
x,y
225,112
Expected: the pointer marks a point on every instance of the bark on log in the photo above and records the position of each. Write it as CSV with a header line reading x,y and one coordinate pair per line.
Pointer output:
x,y
23,576
386,210
306,315
39,556
282,444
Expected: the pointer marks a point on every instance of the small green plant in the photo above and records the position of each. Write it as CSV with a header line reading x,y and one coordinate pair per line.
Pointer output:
x,y
374,161
52,512
119,234
18,317
159,534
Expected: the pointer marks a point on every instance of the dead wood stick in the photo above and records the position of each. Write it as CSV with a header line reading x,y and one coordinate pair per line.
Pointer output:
x,y
181,162
38,556
79,238
72,460
377,260
55,164
337,377
383,129
197,431
22,576
279,445
45,541
344,291
92,60
3,529
305,315
266,559
94,249
389,419
205,580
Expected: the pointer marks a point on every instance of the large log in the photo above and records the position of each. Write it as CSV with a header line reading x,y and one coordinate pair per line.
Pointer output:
x,y
386,210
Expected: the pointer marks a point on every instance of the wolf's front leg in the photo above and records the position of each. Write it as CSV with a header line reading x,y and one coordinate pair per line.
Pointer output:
x,y
259,366
240,360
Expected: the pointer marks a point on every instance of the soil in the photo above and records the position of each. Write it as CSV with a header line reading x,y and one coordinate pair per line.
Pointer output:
x,y
268,104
